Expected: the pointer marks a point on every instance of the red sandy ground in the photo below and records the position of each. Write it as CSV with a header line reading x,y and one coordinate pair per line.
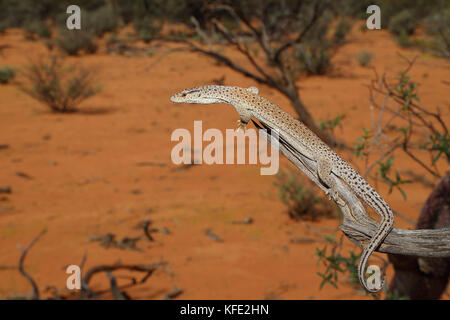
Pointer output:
x,y
85,176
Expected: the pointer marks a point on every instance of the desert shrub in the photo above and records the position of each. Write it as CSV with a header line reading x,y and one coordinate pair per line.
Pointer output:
x,y
37,28
315,51
403,22
314,58
60,87
101,20
6,74
364,58
147,27
336,264
126,10
342,29
438,26
74,41
3,26
302,202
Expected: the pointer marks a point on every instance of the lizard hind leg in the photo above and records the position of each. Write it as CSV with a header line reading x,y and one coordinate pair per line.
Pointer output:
x,y
324,167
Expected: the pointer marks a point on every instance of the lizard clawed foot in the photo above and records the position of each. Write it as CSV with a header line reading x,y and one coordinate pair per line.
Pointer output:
x,y
334,195
241,125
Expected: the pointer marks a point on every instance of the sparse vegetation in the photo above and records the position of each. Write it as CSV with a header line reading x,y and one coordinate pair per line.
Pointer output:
x,y
420,133
37,29
73,42
403,23
147,28
335,263
302,201
331,124
6,74
364,58
62,88
101,20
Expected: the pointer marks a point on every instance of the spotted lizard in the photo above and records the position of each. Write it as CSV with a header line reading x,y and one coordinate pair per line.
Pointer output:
x,y
248,103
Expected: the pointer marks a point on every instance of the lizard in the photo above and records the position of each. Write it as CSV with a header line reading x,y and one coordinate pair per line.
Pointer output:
x,y
248,103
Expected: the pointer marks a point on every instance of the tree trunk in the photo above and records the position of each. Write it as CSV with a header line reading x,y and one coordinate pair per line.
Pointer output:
x,y
307,119
425,278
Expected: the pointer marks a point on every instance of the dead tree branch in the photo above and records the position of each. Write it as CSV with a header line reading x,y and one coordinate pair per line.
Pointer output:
x,y
357,225
35,295
425,278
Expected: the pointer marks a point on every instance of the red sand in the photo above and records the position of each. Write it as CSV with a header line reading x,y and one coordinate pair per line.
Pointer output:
x,y
85,176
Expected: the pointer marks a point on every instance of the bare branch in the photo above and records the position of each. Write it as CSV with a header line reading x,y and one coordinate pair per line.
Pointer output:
x,y
316,15
359,227
35,295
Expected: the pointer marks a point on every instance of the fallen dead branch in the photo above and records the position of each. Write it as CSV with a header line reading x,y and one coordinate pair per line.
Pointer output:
x,y
87,292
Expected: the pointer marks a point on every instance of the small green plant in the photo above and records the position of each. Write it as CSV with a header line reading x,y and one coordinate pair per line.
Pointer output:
x,y
360,148
73,42
384,169
335,263
6,74
302,202
364,58
406,89
439,143
330,125
60,87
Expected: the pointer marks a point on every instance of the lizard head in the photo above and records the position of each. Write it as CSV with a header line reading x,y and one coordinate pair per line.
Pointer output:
x,y
202,95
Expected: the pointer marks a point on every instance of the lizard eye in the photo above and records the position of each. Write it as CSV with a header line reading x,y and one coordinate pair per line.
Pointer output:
x,y
184,95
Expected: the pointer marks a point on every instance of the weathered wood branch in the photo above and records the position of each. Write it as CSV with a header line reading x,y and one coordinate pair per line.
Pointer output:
x,y
357,225
419,277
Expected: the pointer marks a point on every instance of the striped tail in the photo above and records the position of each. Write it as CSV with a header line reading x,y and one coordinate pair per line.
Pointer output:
x,y
374,200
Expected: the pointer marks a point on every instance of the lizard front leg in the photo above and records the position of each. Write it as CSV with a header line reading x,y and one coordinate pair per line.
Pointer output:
x,y
324,167
244,118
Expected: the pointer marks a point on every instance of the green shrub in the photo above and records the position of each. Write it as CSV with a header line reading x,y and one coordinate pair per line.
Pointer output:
x,y
364,58
302,202
147,27
342,29
6,74
3,26
438,26
74,41
102,20
403,22
126,10
320,43
314,58
58,86
36,28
